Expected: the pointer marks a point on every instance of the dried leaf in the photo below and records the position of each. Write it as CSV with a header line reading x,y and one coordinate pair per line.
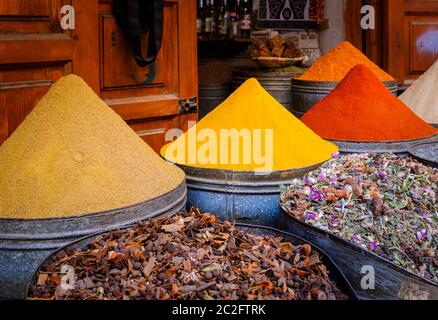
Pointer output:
x,y
307,249
149,267
174,227
287,246
175,289
268,286
42,279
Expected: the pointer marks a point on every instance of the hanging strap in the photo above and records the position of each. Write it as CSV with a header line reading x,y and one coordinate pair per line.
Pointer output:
x,y
152,12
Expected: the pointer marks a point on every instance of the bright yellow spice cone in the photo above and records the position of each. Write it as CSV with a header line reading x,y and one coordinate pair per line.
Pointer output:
x,y
251,107
73,155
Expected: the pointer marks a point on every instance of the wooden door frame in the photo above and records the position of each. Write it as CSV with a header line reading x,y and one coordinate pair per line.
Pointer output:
x,y
188,59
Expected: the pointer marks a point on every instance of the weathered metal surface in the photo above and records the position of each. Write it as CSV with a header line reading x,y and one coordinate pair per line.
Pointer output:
x,y
239,196
426,153
24,244
278,84
361,266
210,96
397,147
305,94
335,273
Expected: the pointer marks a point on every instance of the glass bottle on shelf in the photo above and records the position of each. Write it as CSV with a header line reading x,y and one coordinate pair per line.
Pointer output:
x,y
200,21
208,20
223,18
245,19
213,9
234,19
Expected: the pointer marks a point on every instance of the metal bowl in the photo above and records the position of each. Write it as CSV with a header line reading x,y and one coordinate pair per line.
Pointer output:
x,y
426,153
239,196
24,244
335,273
391,282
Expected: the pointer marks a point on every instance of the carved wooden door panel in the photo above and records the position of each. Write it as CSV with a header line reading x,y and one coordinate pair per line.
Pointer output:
x,y
412,37
148,98
35,51
405,41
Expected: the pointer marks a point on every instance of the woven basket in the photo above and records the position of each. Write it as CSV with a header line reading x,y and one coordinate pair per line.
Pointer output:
x,y
274,62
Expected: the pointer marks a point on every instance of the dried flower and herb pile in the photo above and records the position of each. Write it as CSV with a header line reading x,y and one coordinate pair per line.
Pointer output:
x,y
383,203
189,256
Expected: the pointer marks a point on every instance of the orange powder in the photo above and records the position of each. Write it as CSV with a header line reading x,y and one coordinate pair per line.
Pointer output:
x,y
335,65
360,108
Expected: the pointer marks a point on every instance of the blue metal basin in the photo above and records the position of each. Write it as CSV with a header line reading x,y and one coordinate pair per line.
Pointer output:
x,y
239,196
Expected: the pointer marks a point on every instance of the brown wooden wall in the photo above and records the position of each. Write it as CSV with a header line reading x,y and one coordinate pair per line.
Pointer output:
x,y
35,52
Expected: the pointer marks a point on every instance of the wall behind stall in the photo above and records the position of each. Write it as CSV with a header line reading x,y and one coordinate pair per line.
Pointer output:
x,y
336,32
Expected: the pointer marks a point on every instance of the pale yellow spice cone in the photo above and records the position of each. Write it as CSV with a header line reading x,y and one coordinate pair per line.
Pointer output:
x,y
73,155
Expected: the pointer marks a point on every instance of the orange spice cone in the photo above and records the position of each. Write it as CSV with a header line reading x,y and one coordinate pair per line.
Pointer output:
x,y
361,109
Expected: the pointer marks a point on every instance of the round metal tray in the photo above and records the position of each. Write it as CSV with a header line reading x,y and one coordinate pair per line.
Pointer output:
x,y
239,196
426,153
391,282
24,244
335,273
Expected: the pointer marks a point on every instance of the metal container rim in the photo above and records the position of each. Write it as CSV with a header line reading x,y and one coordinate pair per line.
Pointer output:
x,y
242,178
414,148
387,142
387,83
95,214
242,73
89,238
331,235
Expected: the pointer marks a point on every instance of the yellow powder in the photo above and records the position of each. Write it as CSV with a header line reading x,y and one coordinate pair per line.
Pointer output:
x,y
73,155
335,65
251,107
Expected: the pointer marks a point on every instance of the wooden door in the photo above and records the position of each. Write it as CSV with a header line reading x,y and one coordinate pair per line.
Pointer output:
x,y
405,41
148,98
412,30
35,51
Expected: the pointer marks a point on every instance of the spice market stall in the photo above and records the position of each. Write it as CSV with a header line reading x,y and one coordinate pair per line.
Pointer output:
x,y
305,178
